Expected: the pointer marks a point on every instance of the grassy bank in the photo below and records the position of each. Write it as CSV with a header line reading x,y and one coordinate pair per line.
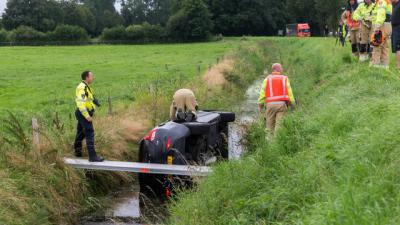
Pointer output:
x,y
335,160
37,188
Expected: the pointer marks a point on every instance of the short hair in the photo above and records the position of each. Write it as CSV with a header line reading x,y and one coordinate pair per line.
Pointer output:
x,y
85,74
277,66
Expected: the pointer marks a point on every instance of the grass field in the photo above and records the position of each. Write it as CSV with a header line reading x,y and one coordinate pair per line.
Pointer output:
x,y
36,79
36,187
335,160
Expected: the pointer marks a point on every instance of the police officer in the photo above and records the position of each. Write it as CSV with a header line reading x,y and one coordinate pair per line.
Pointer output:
x,y
275,95
184,105
86,104
363,14
381,22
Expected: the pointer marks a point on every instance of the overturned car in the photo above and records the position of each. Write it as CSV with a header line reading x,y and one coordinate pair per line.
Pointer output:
x,y
198,141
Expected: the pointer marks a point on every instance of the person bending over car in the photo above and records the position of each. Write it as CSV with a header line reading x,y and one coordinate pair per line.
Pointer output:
x,y
184,105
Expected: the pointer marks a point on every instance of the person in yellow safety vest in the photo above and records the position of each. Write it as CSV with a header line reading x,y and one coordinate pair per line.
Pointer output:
x,y
381,21
275,95
86,104
363,14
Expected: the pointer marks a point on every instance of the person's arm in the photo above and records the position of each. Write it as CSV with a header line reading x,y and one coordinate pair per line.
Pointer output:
x,y
344,16
261,98
380,16
292,100
357,14
81,102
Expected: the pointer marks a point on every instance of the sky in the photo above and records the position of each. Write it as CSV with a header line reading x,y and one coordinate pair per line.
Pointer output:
x,y
2,6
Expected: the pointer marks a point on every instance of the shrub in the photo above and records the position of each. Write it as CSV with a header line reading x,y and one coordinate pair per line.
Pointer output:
x,y
69,33
152,32
27,34
135,32
3,35
114,34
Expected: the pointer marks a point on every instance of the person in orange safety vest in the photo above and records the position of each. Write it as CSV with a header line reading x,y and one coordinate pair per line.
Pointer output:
x,y
275,96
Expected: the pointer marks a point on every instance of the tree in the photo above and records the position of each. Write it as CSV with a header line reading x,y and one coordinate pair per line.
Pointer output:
x,y
191,20
317,13
42,15
150,11
104,13
255,17
79,15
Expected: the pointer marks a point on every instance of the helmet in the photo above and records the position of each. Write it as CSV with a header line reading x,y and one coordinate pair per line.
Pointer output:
x,y
377,38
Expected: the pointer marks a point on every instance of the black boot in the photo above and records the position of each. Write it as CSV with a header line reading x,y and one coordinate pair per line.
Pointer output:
x,y
78,153
96,159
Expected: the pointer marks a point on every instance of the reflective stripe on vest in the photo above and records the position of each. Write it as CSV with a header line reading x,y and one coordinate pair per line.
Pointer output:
x,y
276,89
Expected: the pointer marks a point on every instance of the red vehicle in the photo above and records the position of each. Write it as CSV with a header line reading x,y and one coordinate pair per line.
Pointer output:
x,y
298,30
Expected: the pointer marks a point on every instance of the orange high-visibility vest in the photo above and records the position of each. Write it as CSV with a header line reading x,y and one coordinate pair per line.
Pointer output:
x,y
350,22
276,88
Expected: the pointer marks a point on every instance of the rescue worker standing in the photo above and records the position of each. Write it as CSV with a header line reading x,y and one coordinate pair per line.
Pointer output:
x,y
382,31
353,26
363,14
184,105
396,30
275,95
86,105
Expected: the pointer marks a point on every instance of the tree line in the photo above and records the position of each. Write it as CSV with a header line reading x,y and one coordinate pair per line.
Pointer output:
x,y
157,20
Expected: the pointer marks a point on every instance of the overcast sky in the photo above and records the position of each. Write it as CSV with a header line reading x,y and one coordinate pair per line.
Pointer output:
x,y
2,6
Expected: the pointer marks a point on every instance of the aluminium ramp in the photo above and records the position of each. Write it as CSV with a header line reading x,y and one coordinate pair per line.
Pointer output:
x,y
149,168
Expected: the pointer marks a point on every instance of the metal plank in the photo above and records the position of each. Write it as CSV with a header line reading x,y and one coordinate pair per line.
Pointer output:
x,y
134,167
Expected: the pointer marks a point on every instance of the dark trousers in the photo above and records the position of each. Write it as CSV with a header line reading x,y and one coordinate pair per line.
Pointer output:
x,y
84,130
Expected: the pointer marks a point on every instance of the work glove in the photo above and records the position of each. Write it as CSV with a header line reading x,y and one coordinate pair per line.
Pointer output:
x,y
96,102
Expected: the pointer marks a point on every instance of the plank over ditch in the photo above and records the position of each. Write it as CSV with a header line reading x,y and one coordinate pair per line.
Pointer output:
x,y
134,167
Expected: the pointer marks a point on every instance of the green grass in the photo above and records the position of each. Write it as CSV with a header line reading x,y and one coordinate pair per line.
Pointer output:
x,y
34,79
36,187
334,161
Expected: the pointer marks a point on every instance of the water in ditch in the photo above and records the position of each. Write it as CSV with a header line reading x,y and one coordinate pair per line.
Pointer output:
x,y
126,208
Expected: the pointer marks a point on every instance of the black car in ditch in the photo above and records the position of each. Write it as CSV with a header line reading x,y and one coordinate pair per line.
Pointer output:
x,y
182,142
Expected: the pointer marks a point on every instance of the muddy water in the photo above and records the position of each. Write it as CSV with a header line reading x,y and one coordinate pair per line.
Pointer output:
x,y
126,209
247,113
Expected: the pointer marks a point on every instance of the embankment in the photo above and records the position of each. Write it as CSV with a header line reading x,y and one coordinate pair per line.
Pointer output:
x,y
334,161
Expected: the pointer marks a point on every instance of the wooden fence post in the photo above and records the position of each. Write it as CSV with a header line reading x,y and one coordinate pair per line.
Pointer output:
x,y
35,133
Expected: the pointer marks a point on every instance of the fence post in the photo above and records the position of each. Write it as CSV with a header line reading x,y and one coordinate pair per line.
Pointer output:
x,y
35,133
110,112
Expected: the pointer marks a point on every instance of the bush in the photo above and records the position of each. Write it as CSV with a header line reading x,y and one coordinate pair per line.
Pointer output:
x,y
3,35
69,33
135,32
153,32
27,34
145,32
114,34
